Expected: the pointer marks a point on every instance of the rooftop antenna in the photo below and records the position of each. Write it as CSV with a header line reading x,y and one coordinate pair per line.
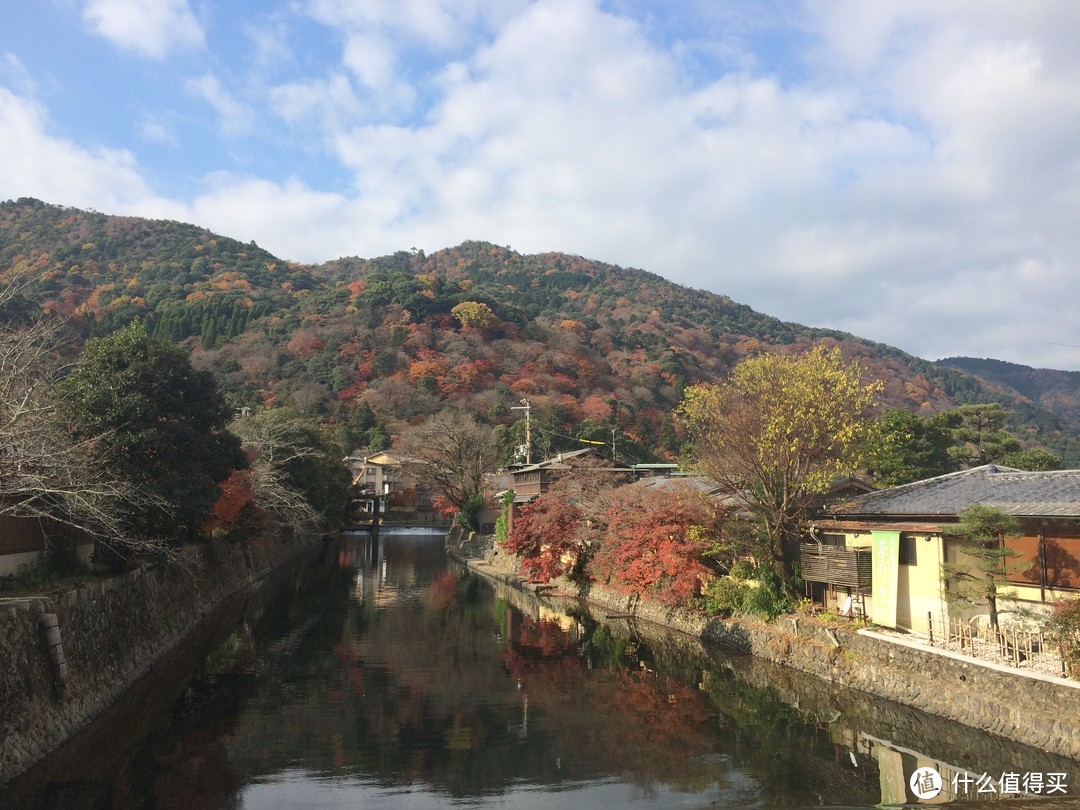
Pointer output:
x,y
524,406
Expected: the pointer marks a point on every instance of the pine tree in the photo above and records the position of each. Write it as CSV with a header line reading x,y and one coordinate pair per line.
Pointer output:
x,y
980,537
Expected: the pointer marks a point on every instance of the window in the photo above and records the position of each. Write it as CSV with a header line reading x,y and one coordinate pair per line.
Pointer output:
x,y
907,550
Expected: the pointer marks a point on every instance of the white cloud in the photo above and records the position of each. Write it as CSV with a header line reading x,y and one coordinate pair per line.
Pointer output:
x,y
150,28
289,219
910,172
13,73
270,39
330,103
235,117
154,129
443,24
35,163
382,38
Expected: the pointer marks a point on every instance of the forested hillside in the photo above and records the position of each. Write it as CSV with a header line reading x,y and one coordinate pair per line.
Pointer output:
x,y
1056,391
371,345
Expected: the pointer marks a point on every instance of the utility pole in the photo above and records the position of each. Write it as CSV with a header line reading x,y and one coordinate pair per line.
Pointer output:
x,y
524,406
613,456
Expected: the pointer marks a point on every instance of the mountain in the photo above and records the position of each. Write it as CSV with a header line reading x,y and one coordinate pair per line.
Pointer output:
x,y
1057,392
373,344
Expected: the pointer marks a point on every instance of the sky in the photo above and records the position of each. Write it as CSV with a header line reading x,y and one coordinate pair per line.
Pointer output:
x,y
907,171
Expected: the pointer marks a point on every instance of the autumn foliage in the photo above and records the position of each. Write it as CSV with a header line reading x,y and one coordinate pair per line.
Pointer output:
x,y
546,538
650,541
237,493
656,541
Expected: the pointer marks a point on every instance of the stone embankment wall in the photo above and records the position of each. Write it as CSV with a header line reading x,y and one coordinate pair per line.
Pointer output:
x,y
1036,710
65,659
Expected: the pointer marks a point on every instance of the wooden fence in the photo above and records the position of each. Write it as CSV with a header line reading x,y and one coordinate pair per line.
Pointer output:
x,y
1013,646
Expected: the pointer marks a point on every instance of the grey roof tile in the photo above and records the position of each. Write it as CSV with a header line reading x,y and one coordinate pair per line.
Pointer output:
x,y
1017,492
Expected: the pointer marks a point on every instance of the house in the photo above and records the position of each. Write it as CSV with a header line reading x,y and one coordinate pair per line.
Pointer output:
x,y
385,475
882,553
379,473
533,480
530,481
23,540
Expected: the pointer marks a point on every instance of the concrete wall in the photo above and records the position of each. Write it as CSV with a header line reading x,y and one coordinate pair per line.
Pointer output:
x,y
1036,710
65,659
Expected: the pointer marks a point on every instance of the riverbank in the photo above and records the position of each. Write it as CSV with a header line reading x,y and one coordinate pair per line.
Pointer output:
x,y
1040,711
68,657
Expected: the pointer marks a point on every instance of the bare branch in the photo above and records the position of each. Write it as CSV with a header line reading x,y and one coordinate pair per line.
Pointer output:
x,y
44,472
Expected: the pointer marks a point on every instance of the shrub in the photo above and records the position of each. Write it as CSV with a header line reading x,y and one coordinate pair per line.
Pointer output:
x,y
59,562
724,596
1064,628
503,520
501,528
768,599
741,569
468,515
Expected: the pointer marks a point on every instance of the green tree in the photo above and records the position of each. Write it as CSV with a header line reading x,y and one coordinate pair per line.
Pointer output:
x,y
1033,459
979,575
902,447
775,435
978,434
159,423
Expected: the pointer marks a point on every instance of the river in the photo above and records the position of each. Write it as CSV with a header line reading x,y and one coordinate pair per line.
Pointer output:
x,y
379,675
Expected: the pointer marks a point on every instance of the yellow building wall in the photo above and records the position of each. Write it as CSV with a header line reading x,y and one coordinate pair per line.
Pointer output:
x,y
920,601
919,596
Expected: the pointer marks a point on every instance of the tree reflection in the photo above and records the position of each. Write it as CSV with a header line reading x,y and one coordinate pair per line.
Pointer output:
x,y
1062,568
439,686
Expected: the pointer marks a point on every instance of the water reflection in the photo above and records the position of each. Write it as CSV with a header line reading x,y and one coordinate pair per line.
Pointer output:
x,y
374,675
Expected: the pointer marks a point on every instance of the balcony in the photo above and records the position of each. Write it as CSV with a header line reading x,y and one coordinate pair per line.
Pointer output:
x,y
836,565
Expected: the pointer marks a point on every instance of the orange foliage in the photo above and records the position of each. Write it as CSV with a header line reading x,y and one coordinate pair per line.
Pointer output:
x,y
428,363
237,492
303,344
596,408
654,542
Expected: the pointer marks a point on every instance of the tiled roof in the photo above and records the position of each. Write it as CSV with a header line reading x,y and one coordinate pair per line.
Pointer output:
x,y
703,485
554,461
1016,492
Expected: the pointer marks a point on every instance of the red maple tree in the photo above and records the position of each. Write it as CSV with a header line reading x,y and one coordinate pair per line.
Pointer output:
x,y
546,538
655,542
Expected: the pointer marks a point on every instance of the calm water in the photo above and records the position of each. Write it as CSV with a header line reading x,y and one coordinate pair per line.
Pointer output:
x,y
380,677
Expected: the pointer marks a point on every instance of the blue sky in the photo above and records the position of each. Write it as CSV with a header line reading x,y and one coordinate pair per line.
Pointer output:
x,y
907,171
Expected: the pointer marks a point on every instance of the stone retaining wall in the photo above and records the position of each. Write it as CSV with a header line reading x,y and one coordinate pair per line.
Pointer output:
x,y
65,659
1037,710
